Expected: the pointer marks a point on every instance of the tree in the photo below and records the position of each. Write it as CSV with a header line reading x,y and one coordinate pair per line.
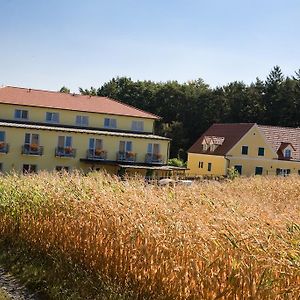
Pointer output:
x,y
64,90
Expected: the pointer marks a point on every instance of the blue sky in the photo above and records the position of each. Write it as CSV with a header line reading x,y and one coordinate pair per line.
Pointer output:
x,y
50,43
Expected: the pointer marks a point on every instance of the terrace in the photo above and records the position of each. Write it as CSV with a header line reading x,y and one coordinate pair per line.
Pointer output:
x,y
151,158
127,156
96,154
4,147
65,152
32,149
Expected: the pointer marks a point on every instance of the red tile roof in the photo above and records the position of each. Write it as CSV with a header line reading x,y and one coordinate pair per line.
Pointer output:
x,y
279,136
75,102
231,133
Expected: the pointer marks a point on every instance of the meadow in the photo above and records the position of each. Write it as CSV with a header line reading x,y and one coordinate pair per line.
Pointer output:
x,y
235,239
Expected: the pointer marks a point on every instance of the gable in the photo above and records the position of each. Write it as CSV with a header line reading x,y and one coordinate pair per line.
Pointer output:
x,y
254,139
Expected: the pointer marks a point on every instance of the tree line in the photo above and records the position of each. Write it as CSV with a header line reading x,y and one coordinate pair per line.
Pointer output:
x,y
188,109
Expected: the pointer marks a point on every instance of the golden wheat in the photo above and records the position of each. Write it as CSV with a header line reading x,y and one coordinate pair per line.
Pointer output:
x,y
211,240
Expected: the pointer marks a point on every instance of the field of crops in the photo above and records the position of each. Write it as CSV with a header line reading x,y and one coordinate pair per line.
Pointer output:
x,y
232,240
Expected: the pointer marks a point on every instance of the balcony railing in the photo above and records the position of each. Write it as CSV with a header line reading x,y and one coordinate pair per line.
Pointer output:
x,y
32,149
4,147
126,156
65,152
151,158
96,154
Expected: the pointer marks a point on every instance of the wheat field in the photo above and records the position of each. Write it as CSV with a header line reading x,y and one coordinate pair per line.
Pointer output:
x,y
235,239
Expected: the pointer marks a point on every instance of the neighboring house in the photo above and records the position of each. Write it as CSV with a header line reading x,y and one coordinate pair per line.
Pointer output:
x,y
250,148
44,130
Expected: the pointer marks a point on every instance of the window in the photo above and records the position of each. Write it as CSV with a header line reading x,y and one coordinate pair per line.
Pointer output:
x,y
2,136
298,172
137,125
3,145
153,148
239,168
62,168
245,150
1,167
258,170
125,146
52,117
200,164
204,147
287,153
21,114
261,151
209,167
110,123
64,142
31,139
82,121
283,172
29,169
95,144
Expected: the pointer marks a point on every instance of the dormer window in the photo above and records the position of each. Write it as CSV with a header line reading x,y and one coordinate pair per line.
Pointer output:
x,y
211,143
205,147
287,153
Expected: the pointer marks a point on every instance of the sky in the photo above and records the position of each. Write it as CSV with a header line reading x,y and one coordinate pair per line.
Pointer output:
x,y
47,44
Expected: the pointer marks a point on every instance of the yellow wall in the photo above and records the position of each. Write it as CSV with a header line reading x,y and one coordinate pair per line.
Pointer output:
x,y
253,139
269,165
49,139
218,165
67,117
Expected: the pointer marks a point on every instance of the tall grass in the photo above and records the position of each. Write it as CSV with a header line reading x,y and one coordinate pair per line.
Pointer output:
x,y
231,240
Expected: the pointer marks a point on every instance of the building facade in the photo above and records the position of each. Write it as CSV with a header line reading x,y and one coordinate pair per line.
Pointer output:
x,y
250,148
44,130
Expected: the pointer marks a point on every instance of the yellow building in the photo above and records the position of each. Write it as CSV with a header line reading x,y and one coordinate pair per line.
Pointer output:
x,y
44,130
250,148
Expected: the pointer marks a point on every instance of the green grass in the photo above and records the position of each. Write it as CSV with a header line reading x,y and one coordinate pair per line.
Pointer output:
x,y
51,277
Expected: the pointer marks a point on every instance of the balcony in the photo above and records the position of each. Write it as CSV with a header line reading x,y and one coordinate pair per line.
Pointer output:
x,y
126,156
96,154
32,149
4,147
151,158
65,152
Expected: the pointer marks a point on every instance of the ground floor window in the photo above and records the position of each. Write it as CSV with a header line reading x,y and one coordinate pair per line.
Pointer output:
x,y
200,165
258,170
209,167
1,167
238,168
283,172
62,168
29,168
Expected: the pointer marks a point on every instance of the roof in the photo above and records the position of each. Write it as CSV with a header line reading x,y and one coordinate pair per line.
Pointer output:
x,y
229,134
78,130
75,102
280,137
